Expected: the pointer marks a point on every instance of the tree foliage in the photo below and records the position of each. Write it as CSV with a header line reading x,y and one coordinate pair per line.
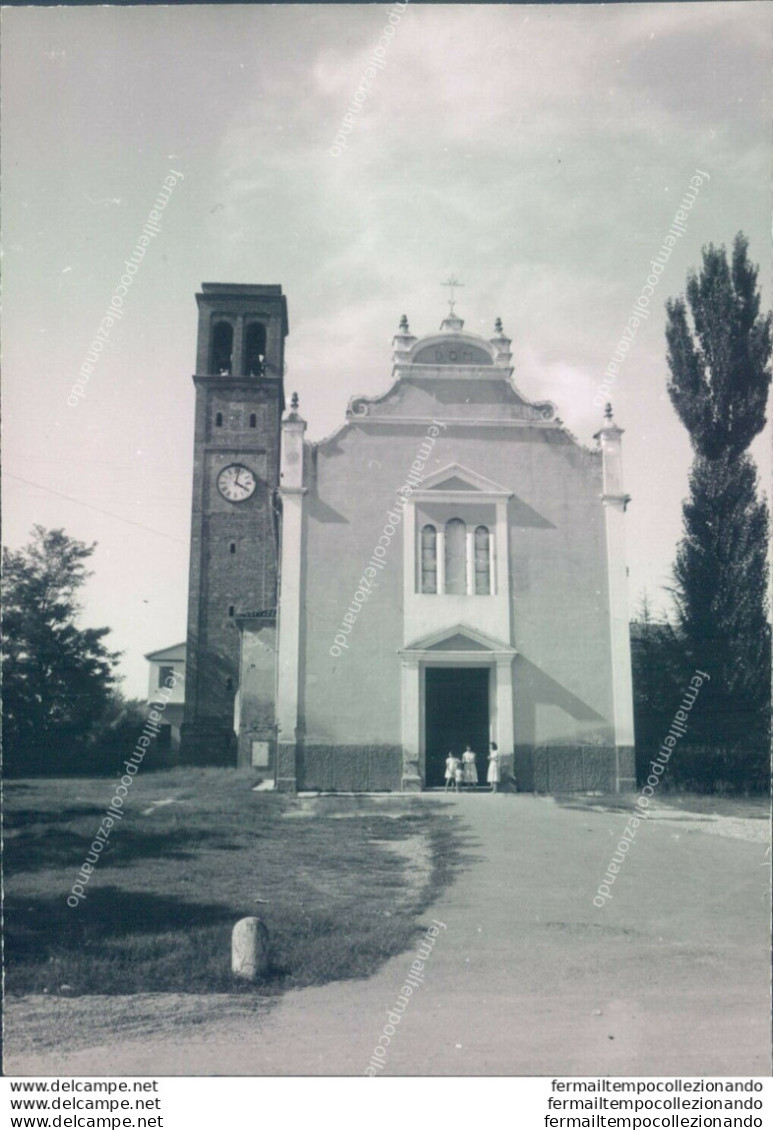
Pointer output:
x,y
718,357
656,663
58,678
719,366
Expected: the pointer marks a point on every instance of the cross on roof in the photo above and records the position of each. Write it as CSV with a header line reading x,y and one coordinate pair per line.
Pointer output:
x,y
452,283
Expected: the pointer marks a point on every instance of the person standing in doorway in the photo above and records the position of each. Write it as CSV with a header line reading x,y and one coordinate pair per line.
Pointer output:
x,y
493,767
459,775
452,763
470,772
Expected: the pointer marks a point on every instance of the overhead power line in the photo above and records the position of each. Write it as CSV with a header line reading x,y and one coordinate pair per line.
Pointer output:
x,y
97,509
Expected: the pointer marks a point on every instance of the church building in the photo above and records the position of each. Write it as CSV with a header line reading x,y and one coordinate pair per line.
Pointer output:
x,y
446,569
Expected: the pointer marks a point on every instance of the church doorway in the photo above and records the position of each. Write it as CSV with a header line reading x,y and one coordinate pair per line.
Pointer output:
x,y
456,701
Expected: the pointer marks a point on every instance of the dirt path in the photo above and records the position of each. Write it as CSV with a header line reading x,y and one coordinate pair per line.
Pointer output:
x,y
526,976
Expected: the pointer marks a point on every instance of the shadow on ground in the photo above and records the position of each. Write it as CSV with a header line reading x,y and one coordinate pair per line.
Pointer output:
x,y
55,848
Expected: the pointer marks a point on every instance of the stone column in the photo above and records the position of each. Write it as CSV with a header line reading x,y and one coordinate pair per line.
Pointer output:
x,y
411,550
470,565
615,502
238,342
440,550
505,728
411,779
291,491
500,559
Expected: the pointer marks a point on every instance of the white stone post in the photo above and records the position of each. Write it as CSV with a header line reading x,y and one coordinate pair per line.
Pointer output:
x,y
249,949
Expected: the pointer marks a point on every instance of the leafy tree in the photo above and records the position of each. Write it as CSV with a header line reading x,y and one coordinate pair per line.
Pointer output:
x,y
719,368
657,671
114,735
57,677
719,382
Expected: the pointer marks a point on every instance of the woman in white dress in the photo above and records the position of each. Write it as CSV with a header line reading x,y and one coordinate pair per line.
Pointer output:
x,y
468,765
493,767
452,764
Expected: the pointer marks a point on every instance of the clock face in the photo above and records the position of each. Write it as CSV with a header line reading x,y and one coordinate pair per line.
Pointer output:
x,y
236,482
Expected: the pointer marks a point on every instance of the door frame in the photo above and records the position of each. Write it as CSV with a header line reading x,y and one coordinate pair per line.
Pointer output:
x,y
491,689
494,654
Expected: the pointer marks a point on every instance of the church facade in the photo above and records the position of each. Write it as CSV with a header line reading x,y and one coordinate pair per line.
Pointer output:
x,y
446,569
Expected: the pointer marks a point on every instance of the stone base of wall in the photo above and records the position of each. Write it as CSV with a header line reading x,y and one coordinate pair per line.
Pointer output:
x,y
341,768
574,769
287,767
626,768
207,744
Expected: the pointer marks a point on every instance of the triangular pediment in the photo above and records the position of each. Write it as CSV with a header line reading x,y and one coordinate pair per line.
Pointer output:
x,y
456,477
460,637
458,642
454,483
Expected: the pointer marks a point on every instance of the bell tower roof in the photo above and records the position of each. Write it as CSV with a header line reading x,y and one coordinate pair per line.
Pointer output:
x,y
242,328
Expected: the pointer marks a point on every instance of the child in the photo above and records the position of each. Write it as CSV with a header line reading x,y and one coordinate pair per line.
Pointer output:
x,y
452,764
458,776
469,769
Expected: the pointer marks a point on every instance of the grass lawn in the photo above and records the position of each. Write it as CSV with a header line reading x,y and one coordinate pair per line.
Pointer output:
x,y
197,849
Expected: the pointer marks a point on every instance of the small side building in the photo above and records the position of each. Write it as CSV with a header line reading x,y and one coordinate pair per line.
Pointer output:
x,y
164,663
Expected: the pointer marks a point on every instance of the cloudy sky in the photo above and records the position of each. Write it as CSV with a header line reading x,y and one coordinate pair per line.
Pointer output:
x,y
539,153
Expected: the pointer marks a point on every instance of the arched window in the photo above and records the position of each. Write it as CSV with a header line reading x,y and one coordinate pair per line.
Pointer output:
x,y
429,559
482,561
254,349
218,419
232,547
222,348
253,420
231,610
456,557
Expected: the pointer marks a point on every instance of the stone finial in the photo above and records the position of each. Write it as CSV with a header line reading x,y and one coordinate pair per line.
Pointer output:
x,y
609,430
294,402
249,949
452,324
403,341
501,343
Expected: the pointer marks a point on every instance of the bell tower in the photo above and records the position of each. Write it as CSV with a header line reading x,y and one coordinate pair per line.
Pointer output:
x,y
233,556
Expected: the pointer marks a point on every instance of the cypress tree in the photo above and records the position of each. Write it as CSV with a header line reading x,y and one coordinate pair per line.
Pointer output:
x,y
719,381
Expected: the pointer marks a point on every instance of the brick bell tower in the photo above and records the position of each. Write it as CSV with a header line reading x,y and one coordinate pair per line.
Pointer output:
x,y
234,535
